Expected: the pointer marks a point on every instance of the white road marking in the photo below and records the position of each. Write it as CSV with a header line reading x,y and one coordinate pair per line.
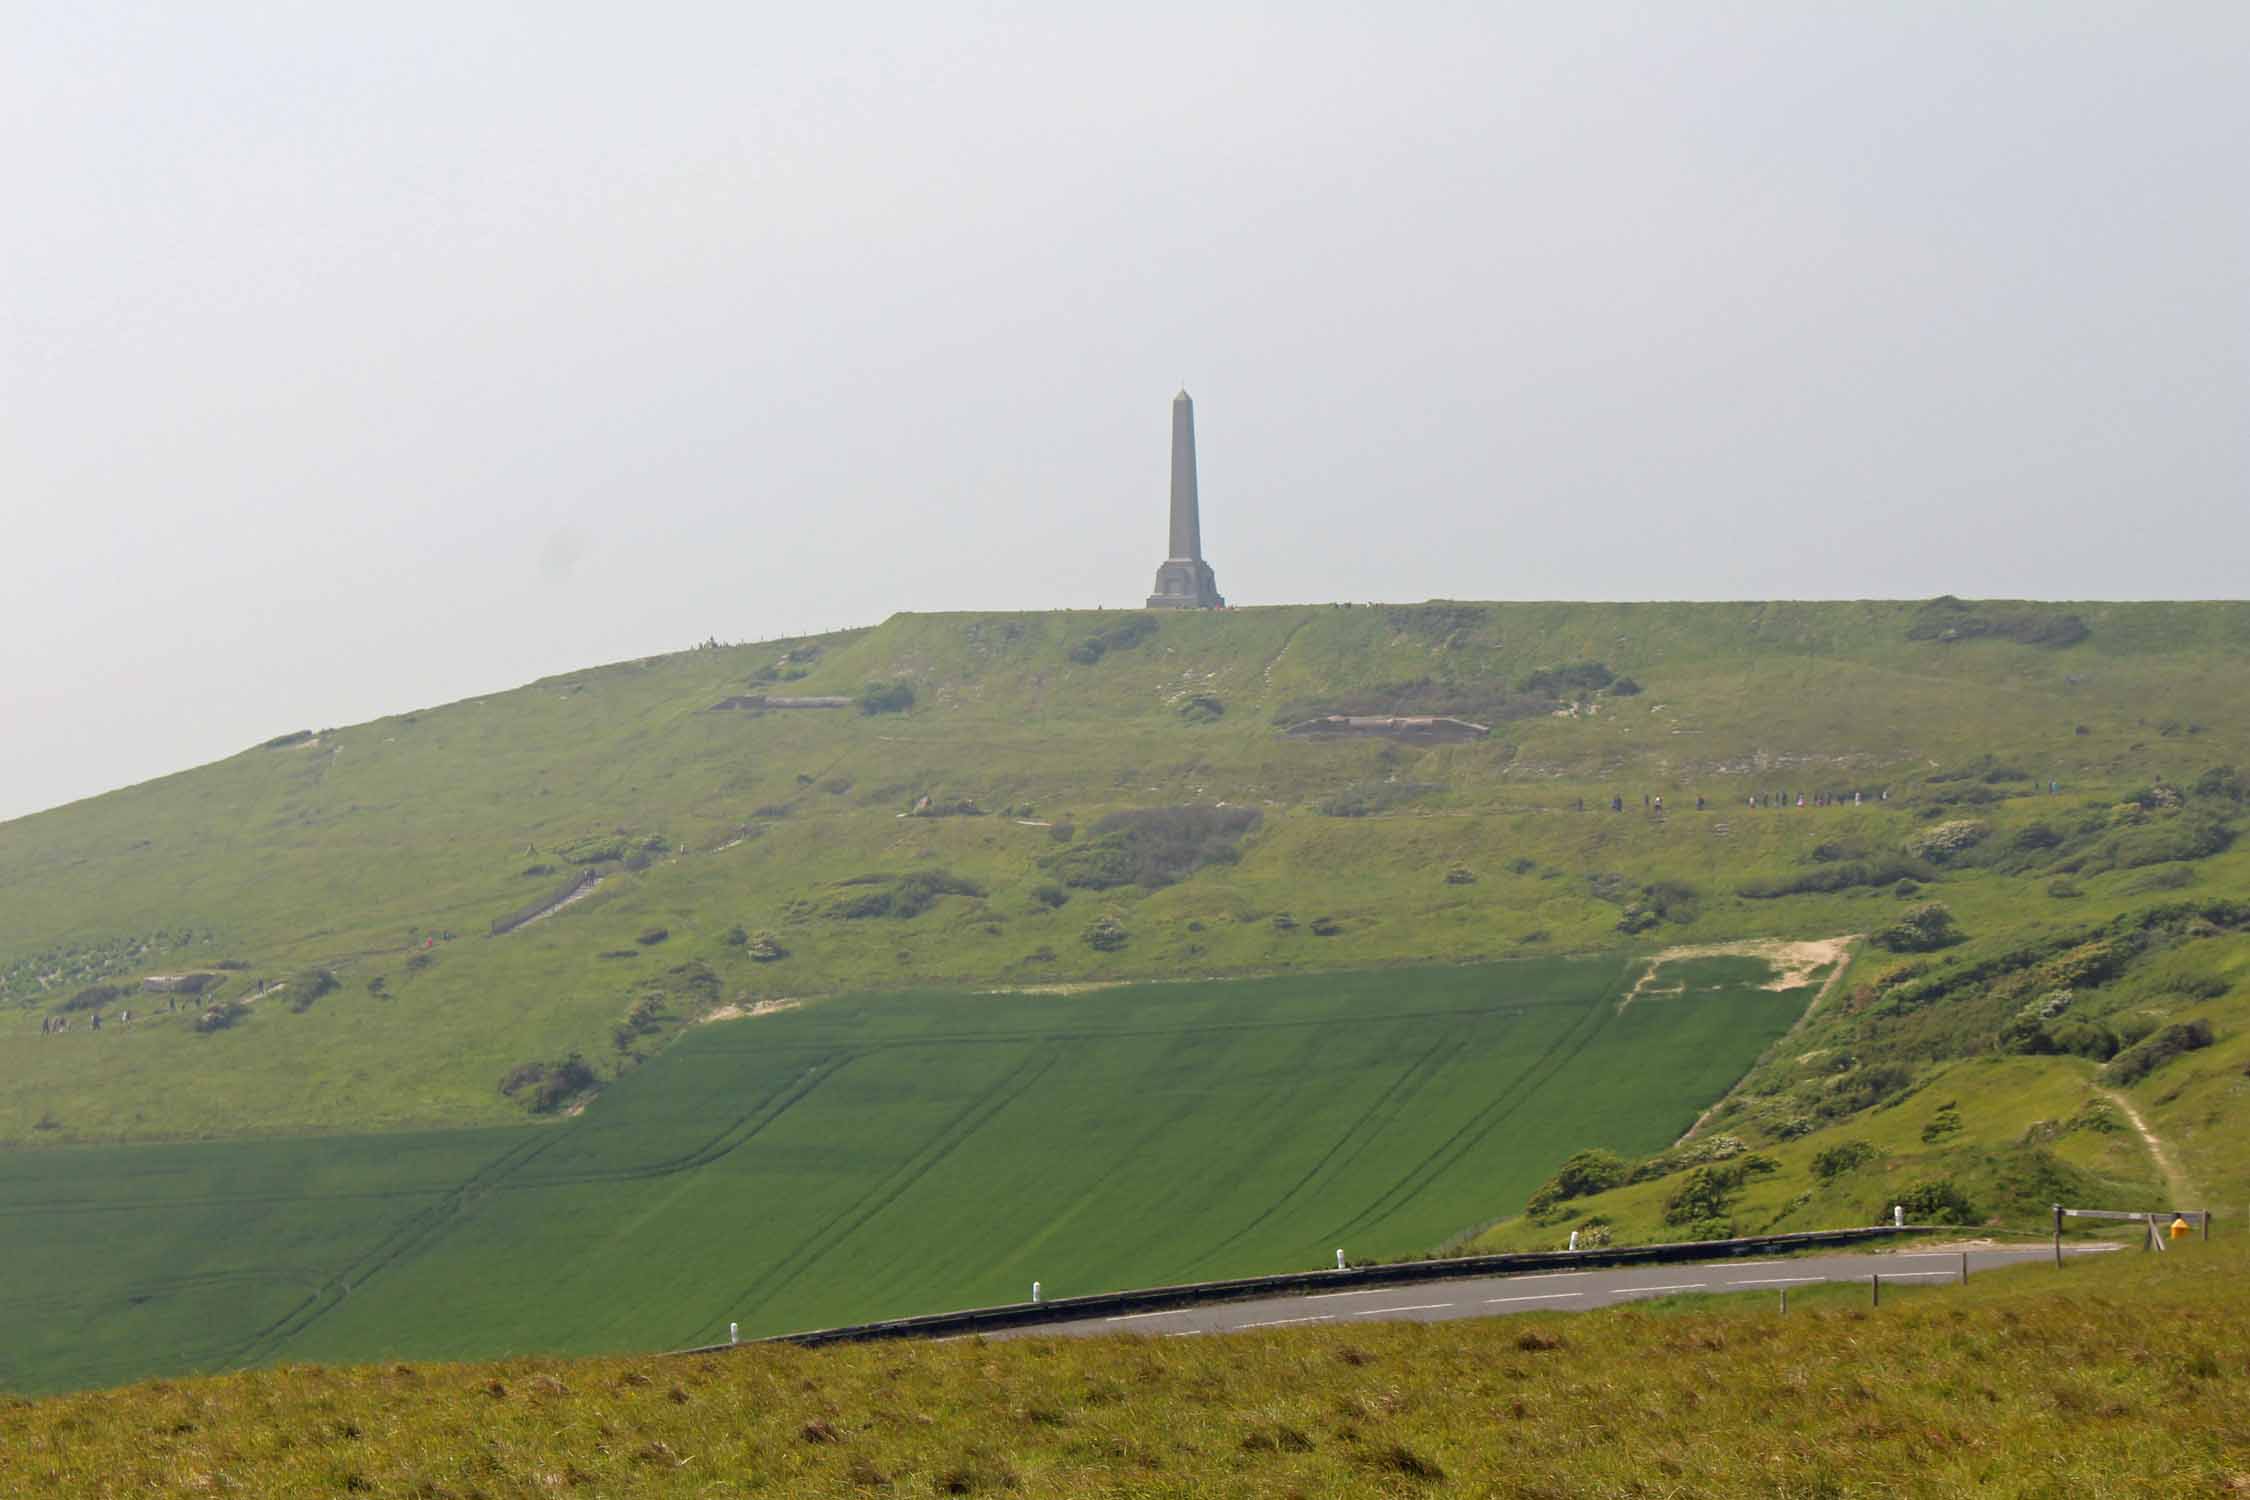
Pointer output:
x,y
1744,1265
1550,1275
1774,1280
1539,1297
1376,1312
1189,1334
1373,1291
1279,1322
1685,1286
1129,1317
1902,1275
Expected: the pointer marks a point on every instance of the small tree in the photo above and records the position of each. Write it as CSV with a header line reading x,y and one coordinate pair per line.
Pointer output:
x,y
886,698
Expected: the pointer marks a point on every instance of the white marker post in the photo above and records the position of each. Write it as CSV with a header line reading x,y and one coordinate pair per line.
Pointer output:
x,y
1574,1239
1035,1291
734,1333
1898,1217
1339,1257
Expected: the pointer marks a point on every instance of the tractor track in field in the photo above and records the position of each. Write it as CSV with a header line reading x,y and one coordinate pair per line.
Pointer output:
x,y
964,1124
1480,1125
1358,1135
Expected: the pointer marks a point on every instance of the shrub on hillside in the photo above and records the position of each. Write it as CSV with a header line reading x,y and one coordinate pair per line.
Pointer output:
x,y
1946,619
1106,935
765,948
1123,636
220,1016
1050,896
1940,1201
2145,1057
1923,929
1945,841
1849,875
1202,708
307,988
1574,680
93,997
1835,1161
2221,783
1582,1174
650,936
1153,847
886,698
550,1085
902,896
2190,835
1706,1193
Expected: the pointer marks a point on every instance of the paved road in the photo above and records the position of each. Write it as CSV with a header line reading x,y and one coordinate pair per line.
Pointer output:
x,y
1571,1291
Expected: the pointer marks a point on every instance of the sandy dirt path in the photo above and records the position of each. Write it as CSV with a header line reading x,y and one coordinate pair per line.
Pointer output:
x,y
2175,1180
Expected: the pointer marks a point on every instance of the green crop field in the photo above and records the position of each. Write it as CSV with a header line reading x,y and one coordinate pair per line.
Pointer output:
x,y
873,1156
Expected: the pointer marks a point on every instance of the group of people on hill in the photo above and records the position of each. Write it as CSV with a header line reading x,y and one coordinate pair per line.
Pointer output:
x,y
1654,803
48,1025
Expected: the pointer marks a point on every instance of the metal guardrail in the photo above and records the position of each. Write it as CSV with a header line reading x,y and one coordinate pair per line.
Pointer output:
x,y
1246,1288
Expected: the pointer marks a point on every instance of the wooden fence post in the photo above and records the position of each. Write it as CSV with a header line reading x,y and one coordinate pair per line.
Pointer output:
x,y
1875,1290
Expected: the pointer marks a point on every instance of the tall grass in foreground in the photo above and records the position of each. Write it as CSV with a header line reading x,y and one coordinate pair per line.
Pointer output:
x,y
2122,1375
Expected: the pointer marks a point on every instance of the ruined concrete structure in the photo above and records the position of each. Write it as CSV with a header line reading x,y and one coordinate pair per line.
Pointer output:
x,y
1393,726
756,702
1185,581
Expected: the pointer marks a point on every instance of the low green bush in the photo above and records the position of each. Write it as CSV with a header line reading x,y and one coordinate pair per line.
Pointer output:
x,y
2176,1040
1922,929
1835,1161
1153,847
886,698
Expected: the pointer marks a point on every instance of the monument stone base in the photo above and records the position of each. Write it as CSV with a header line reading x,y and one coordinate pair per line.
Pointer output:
x,y
1186,583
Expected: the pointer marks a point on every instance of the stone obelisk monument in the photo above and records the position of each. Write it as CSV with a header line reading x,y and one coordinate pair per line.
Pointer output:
x,y
1185,581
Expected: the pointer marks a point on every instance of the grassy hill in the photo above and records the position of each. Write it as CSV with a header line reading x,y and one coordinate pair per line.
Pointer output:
x,y
381,855
2120,1374
456,929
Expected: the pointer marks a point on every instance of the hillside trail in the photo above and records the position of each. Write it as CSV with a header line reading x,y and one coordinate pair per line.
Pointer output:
x,y
2175,1180
576,896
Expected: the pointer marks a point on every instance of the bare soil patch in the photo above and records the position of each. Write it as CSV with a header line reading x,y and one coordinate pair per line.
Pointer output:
x,y
743,1012
1795,963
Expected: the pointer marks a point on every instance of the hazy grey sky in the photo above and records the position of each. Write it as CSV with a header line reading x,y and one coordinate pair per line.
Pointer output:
x,y
354,358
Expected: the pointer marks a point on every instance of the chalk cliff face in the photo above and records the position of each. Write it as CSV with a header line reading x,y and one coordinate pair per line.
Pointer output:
x,y
1185,581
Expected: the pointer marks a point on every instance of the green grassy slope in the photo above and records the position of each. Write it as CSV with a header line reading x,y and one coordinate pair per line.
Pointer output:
x,y
351,851
873,1156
